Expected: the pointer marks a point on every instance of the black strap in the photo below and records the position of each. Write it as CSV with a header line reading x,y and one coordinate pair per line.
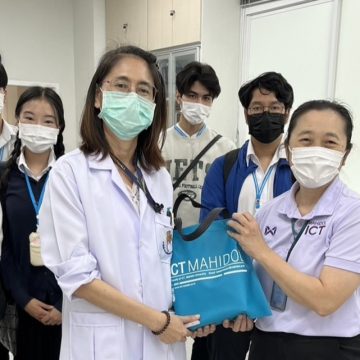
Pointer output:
x,y
139,181
195,161
297,236
229,161
211,217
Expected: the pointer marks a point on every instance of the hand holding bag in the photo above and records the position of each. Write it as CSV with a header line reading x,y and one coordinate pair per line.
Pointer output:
x,y
211,275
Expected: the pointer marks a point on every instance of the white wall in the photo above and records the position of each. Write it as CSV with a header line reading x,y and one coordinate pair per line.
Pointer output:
x,y
347,83
54,41
220,48
36,43
89,45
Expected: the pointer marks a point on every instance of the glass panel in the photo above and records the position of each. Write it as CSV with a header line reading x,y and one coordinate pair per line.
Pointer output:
x,y
164,70
180,61
170,62
163,63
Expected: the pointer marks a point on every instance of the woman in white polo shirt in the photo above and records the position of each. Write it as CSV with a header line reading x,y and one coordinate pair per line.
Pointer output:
x,y
307,248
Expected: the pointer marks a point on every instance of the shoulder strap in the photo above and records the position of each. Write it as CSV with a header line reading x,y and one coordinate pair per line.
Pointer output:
x,y
195,161
229,161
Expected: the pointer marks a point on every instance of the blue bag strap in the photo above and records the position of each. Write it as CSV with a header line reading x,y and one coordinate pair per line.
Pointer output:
x,y
210,218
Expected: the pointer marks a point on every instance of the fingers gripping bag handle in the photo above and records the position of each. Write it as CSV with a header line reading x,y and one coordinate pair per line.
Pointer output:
x,y
212,267
213,215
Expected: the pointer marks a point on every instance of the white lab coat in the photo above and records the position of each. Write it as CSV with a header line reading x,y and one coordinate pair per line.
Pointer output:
x,y
90,229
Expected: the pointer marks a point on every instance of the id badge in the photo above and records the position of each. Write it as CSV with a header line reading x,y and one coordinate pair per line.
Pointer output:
x,y
278,298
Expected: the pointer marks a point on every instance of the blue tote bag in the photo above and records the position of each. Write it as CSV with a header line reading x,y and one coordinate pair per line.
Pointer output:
x,y
211,275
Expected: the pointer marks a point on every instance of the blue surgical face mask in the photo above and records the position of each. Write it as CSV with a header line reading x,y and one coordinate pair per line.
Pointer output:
x,y
126,115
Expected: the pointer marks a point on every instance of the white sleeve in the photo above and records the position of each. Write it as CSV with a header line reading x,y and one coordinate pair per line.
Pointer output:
x,y
63,232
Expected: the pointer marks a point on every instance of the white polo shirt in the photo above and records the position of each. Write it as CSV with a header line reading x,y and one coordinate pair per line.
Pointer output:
x,y
331,238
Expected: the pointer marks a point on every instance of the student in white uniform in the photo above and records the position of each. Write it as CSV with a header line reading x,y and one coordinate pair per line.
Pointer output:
x,y
32,286
307,246
7,132
106,221
197,87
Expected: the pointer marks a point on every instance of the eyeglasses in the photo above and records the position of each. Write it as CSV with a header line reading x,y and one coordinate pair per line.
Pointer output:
x,y
144,90
272,109
193,97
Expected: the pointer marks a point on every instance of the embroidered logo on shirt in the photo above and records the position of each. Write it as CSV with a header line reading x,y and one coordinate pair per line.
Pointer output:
x,y
167,245
315,227
269,230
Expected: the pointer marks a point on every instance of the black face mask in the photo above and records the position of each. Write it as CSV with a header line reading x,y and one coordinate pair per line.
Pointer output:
x,y
266,127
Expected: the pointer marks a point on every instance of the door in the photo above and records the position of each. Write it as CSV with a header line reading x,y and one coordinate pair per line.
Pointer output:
x,y
299,39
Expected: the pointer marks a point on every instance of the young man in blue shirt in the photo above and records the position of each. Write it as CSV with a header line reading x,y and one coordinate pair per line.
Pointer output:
x,y
246,178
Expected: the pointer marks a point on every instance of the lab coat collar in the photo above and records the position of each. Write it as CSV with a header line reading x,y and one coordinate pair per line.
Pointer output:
x,y
96,162
117,180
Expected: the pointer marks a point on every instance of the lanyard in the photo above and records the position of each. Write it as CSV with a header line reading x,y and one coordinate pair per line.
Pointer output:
x,y
2,152
140,182
36,204
259,190
296,235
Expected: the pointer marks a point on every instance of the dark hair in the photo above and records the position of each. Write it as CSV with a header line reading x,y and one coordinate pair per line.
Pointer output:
x,y
3,76
321,105
92,130
269,81
196,71
50,96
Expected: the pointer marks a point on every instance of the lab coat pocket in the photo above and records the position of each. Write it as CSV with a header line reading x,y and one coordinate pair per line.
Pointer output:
x,y
96,336
164,233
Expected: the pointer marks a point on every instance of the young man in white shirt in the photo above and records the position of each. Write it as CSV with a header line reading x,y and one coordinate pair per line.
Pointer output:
x,y
197,87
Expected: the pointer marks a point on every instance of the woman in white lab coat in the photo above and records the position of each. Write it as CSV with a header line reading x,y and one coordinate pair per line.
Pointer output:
x,y
106,221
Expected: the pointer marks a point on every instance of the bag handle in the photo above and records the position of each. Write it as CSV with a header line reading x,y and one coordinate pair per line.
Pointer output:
x,y
182,197
210,218
195,161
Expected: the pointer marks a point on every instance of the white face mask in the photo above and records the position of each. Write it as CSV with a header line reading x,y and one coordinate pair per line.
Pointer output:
x,y
2,101
195,113
37,138
315,166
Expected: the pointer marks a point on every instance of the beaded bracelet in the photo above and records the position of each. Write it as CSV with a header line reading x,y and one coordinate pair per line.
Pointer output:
x,y
168,318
